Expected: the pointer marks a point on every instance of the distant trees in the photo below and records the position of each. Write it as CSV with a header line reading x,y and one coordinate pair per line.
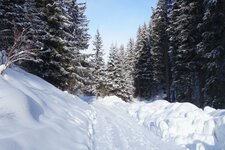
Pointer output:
x,y
99,66
115,81
179,56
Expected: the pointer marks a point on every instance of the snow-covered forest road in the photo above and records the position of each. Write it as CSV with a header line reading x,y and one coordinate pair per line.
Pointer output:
x,y
114,129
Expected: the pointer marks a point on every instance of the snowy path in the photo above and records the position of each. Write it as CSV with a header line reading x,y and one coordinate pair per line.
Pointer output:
x,y
114,129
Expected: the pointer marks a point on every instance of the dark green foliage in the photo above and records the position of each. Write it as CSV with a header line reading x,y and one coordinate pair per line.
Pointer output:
x,y
59,29
143,79
160,48
212,52
12,13
186,15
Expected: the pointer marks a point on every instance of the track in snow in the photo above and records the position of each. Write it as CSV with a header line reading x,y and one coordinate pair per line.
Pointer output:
x,y
114,129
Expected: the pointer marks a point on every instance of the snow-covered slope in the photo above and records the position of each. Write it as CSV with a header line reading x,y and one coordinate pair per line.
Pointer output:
x,y
34,115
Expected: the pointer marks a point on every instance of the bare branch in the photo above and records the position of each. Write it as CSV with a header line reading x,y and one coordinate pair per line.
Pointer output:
x,y
20,50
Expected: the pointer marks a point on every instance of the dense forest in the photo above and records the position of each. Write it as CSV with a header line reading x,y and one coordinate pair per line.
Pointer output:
x,y
178,56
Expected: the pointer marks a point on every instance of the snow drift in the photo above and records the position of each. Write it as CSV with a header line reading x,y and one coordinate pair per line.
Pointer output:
x,y
35,115
184,123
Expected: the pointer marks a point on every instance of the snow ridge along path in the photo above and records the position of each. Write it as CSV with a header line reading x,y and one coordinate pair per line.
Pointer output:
x,y
114,129
34,115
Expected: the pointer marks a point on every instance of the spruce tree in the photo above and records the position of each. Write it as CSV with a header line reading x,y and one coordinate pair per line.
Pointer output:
x,y
211,51
80,79
143,79
111,71
115,82
98,65
63,64
129,66
184,38
12,14
160,49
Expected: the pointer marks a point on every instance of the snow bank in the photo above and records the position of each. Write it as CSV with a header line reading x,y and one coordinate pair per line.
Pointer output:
x,y
184,123
34,115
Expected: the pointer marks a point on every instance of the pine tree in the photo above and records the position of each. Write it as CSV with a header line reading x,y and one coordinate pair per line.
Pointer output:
x,y
185,19
57,61
98,73
22,17
63,64
80,78
11,14
115,82
37,33
160,48
211,51
125,88
129,66
110,71
143,65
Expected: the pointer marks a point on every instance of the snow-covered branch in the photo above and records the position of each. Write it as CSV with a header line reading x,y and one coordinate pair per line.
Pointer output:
x,y
22,49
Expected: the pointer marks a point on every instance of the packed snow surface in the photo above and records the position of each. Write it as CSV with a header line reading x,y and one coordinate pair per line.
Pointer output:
x,y
34,115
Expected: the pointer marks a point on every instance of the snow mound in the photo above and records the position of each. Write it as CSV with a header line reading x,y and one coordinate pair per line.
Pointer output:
x,y
110,100
184,123
34,115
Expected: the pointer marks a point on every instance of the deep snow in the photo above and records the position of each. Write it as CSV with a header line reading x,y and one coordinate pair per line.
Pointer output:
x,y
34,115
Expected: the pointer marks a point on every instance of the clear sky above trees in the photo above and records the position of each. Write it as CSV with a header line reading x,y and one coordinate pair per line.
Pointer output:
x,y
117,20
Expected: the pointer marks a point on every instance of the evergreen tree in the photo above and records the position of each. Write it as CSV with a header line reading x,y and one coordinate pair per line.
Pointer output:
x,y
37,33
116,83
143,65
125,87
63,64
160,48
57,62
81,79
212,53
185,19
111,71
22,17
129,66
98,73
12,14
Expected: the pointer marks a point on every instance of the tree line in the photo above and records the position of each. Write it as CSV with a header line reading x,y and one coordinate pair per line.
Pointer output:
x,y
58,29
178,56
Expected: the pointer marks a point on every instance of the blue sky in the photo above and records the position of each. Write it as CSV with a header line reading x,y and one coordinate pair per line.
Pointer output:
x,y
117,20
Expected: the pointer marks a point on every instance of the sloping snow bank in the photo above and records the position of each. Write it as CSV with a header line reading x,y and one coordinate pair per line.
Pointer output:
x,y
184,123
35,115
